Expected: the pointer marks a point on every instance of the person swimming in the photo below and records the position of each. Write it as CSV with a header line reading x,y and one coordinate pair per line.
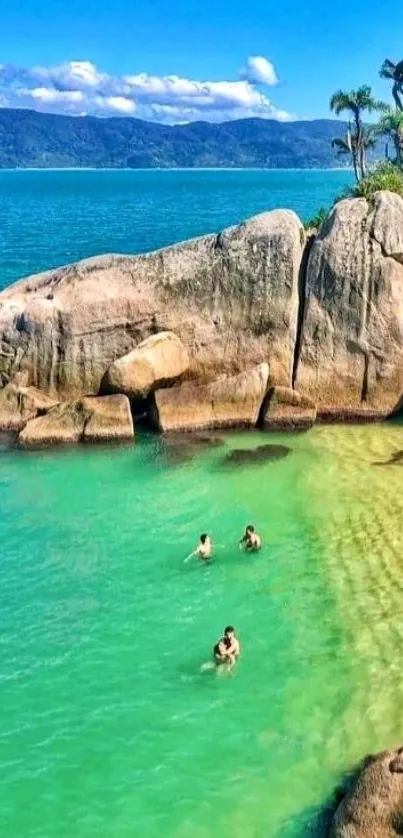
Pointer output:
x,y
204,549
232,644
228,649
220,651
250,541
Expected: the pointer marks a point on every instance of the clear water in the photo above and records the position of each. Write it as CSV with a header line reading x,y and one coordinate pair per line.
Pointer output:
x,y
50,218
107,725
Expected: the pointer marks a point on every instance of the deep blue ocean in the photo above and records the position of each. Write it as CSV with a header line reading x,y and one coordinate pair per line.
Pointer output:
x,y
50,218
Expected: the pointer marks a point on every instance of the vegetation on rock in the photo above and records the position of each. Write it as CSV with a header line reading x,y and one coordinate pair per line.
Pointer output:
x,y
386,176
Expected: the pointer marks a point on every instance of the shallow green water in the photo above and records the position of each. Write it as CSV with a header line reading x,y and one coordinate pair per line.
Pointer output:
x,y
108,727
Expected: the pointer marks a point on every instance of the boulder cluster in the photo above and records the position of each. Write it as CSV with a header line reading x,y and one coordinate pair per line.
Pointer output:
x,y
259,325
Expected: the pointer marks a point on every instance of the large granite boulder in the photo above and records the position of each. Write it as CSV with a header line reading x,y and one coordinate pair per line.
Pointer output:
x,y
229,402
350,345
285,409
232,299
109,418
92,419
373,807
156,362
18,404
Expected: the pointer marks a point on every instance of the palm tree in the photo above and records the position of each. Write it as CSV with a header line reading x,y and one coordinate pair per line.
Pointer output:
x,y
392,71
357,102
352,144
391,126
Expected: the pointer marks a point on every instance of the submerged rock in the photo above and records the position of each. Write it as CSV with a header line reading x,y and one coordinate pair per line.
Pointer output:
x,y
373,806
92,419
156,362
252,456
233,402
179,448
394,460
285,409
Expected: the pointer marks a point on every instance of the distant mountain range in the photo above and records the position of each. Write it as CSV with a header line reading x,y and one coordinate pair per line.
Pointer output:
x,y
28,138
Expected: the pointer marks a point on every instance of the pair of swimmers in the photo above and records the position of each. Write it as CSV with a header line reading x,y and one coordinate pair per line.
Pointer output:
x,y
228,648
250,542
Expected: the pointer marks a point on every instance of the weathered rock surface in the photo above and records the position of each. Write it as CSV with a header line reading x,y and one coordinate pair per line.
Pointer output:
x,y
156,362
18,404
232,402
91,419
326,317
231,299
285,409
109,418
373,807
351,335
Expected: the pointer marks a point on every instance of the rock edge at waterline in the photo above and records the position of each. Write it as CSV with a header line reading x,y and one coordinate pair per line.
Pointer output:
x,y
373,805
182,332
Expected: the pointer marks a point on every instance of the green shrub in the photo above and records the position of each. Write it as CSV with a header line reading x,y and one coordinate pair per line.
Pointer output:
x,y
317,220
386,175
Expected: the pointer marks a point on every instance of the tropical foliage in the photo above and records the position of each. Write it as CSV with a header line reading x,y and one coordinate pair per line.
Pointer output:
x,y
359,138
391,127
386,175
316,221
394,72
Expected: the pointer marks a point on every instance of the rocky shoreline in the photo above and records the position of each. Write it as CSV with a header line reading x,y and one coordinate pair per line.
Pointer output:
x,y
262,325
372,806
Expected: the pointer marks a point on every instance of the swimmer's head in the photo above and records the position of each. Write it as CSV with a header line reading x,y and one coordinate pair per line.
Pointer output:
x,y
229,631
250,528
204,537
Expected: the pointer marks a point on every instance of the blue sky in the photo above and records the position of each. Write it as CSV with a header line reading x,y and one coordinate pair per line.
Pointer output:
x,y
178,61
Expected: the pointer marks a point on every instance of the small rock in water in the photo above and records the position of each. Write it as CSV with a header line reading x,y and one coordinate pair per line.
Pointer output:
x,y
179,448
394,460
252,456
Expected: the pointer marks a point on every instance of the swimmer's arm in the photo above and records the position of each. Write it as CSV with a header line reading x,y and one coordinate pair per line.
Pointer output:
x,y
191,555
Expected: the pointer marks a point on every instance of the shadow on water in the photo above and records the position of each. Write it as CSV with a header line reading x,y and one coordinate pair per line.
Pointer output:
x,y
316,821
312,822
255,456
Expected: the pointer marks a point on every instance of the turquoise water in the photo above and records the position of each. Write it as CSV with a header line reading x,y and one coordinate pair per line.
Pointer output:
x,y
50,218
108,727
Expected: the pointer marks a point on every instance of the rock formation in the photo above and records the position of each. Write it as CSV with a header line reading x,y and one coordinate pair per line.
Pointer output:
x,y
89,419
229,402
285,409
373,807
18,404
323,319
154,363
351,329
231,299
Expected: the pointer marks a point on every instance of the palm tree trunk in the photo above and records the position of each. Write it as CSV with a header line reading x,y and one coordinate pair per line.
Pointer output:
x,y
396,90
355,167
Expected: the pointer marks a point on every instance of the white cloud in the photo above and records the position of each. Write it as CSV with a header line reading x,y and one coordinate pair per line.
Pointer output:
x,y
118,103
47,94
259,70
78,87
77,74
